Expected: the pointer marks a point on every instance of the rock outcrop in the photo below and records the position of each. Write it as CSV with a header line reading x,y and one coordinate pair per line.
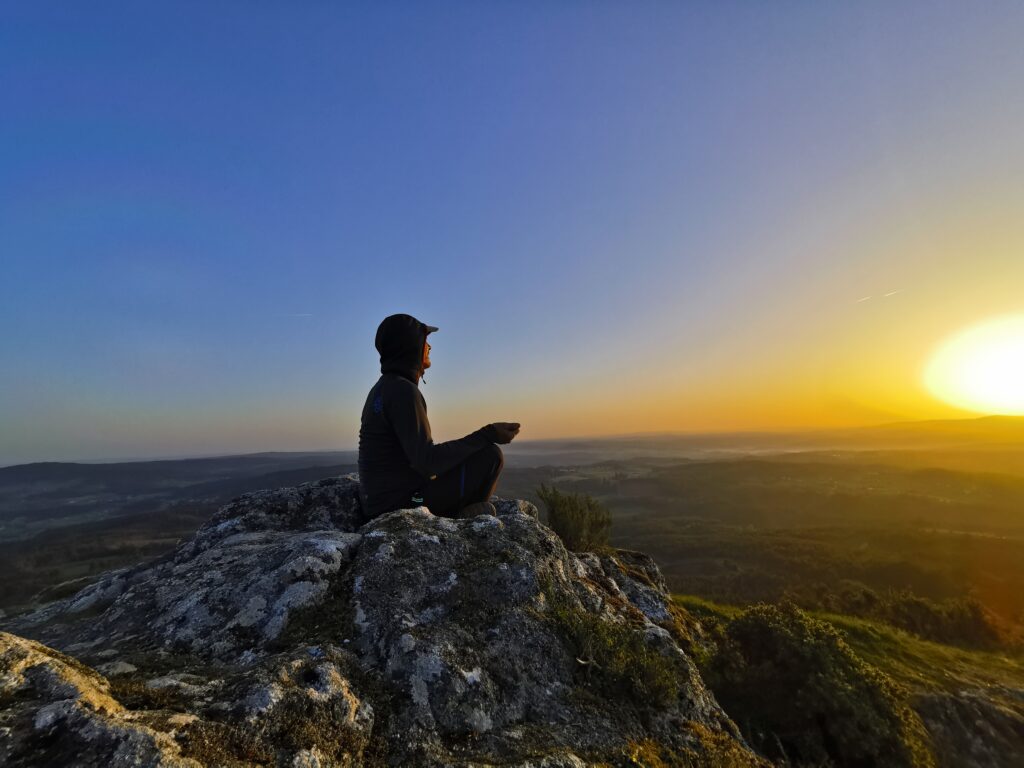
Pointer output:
x,y
974,728
288,632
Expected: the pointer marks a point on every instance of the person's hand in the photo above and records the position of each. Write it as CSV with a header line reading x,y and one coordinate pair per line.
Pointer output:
x,y
504,431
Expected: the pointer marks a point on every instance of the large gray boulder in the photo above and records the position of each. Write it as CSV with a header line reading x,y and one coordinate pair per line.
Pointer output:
x,y
56,711
288,631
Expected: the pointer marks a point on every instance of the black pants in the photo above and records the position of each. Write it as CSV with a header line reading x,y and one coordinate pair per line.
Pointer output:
x,y
471,481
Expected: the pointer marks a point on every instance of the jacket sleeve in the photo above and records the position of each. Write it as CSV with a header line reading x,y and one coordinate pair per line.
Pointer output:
x,y
408,416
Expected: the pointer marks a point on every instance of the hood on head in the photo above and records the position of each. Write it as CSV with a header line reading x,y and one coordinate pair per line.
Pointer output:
x,y
400,341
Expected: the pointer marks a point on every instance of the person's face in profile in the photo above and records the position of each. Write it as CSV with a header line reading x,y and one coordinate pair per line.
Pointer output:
x,y
426,354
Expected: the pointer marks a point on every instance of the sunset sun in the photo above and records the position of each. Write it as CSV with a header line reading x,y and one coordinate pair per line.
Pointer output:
x,y
982,368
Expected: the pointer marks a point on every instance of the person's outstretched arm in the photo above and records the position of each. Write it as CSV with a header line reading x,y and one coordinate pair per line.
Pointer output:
x,y
407,413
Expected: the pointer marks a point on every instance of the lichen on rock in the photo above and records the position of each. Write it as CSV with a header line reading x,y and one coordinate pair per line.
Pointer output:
x,y
288,631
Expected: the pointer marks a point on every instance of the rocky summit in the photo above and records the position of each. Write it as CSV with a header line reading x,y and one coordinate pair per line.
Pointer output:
x,y
290,632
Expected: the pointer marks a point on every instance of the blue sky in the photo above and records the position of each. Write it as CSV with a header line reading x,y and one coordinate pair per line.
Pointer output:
x,y
622,216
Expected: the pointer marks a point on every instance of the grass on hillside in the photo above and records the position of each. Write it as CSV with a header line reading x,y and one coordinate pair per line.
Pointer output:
x,y
919,664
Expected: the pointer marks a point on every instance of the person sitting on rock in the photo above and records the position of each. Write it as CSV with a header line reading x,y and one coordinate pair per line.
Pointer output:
x,y
400,466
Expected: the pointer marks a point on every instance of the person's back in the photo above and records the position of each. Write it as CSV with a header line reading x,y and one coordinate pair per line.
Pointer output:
x,y
399,464
387,479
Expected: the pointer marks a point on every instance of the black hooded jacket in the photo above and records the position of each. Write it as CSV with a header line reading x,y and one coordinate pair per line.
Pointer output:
x,y
396,452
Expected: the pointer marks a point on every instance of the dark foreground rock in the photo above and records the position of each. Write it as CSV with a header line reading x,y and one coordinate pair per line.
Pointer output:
x,y
288,633
974,728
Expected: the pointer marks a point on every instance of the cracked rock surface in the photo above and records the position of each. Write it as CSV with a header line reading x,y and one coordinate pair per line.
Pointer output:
x,y
290,632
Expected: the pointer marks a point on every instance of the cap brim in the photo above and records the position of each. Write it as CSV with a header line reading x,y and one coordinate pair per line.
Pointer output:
x,y
431,328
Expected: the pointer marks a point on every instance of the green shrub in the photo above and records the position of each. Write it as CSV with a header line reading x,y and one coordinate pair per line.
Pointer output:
x,y
801,695
581,521
960,621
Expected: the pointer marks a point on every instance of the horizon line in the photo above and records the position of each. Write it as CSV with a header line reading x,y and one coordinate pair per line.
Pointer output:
x,y
607,436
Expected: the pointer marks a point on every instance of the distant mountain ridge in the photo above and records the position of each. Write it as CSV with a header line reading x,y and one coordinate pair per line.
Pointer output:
x,y
905,433
37,496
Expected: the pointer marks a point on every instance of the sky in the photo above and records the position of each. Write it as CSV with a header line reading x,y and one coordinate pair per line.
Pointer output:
x,y
624,217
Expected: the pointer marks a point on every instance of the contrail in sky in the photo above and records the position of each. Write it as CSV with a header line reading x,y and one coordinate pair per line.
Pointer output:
x,y
884,295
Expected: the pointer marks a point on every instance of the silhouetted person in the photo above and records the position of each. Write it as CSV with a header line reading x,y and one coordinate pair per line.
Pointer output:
x,y
400,466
